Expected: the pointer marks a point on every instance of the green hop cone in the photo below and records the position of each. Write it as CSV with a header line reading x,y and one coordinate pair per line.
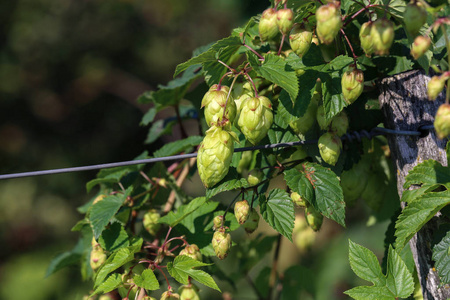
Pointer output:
x,y
192,251
442,121
255,177
244,162
298,200
366,38
221,243
98,257
300,39
339,123
189,292
313,218
303,235
268,28
252,222
373,193
330,146
214,102
255,118
303,124
435,86
382,33
420,45
329,22
217,222
241,211
285,20
150,221
214,155
169,295
148,298
354,181
415,16
352,83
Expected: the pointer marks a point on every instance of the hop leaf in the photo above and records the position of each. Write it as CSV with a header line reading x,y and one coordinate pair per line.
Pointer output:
x,y
285,20
415,16
382,33
329,22
352,84
268,28
255,118
330,146
300,39
442,121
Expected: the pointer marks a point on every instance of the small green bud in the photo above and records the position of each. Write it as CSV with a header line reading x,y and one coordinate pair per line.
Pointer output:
x,y
285,20
150,221
420,45
415,16
298,200
303,124
300,39
189,292
169,295
255,177
329,22
382,33
366,38
214,102
442,121
268,28
192,251
330,146
252,222
313,218
98,257
214,155
435,86
217,222
339,123
255,118
221,243
241,211
352,84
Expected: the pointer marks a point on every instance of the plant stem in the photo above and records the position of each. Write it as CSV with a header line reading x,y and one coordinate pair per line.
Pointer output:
x,y
229,206
355,58
253,84
254,51
228,96
273,273
281,44
180,122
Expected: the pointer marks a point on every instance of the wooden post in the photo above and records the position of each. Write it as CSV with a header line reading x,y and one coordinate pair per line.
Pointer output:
x,y
404,103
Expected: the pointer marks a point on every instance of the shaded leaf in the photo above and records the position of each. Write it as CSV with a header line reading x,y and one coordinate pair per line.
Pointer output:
x,y
278,211
103,211
441,255
114,261
178,146
172,219
113,238
232,181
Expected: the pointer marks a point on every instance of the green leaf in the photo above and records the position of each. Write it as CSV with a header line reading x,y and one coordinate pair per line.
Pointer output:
x,y
114,261
333,101
62,261
370,293
441,255
178,146
340,62
189,221
182,268
114,237
276,70
399,280
365,264
231,182
172,219
147,280
278,211
149,116
417,214
103,211
320,187
111,283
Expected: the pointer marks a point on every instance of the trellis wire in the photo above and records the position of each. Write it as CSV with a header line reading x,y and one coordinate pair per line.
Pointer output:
x,y
350,136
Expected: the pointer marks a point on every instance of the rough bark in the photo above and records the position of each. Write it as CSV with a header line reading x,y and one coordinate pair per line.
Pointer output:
x,y
405,106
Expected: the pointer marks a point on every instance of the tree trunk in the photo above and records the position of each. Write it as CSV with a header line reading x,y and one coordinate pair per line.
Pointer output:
x,y
405,106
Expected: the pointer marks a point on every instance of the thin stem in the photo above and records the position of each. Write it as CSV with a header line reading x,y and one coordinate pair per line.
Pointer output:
x,y
254,51
167,236
146,177
355,58
255,289
281,44
253,84
358,13
228,97
229,206
273,273
221,79
178,238
227,66
164,274
180,122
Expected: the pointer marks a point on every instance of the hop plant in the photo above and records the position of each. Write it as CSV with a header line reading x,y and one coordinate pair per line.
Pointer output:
x,y
192,251
366,38
221,243
415,16
313,218
285,20
254,177
420,45
150,221
352,84
215,102
255,118
435,86
330,146
300,39
98,257
303,124
339,123
252,222
217,222
214,155
189,292
267,26
442,121
329,22
241,211
298,200
382,33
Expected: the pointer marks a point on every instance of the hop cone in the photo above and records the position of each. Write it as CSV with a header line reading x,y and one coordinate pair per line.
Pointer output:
x,y
339,123
415,16
268,28
252,222
300,39
169,295
189,292
435,86
214,102
352,84
151,221
217,222
442,121
221,243
298,200
241,211
214,155
354,181
255,118
192,251
313,218
330,146
420,45
255,176
366,38
303,124
329,22
373,193
382,33
285,20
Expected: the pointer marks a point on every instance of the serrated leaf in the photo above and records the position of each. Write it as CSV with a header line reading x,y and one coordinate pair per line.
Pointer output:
x,y
103,211
63,260
441,255
189,221
113,238
114,261
340,62
149,116
111,283
416,214
182,268
333,101
172,219
276,70
232,181
370,293
320,187
147,280
399,280
365,264
278,211
178,146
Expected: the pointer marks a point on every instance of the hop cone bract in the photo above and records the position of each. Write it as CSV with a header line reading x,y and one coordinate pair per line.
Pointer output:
x,y
285,20
313,218
435,86
241,211
192,251
189,292
252,222
420,45
365,38
150,221
415,16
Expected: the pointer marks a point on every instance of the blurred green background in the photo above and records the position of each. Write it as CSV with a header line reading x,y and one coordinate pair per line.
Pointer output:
x,y
70,73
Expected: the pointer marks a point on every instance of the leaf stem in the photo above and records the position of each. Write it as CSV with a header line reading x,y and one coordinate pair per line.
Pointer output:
x,y
254,51
180,122
281,44
229,206
355,58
